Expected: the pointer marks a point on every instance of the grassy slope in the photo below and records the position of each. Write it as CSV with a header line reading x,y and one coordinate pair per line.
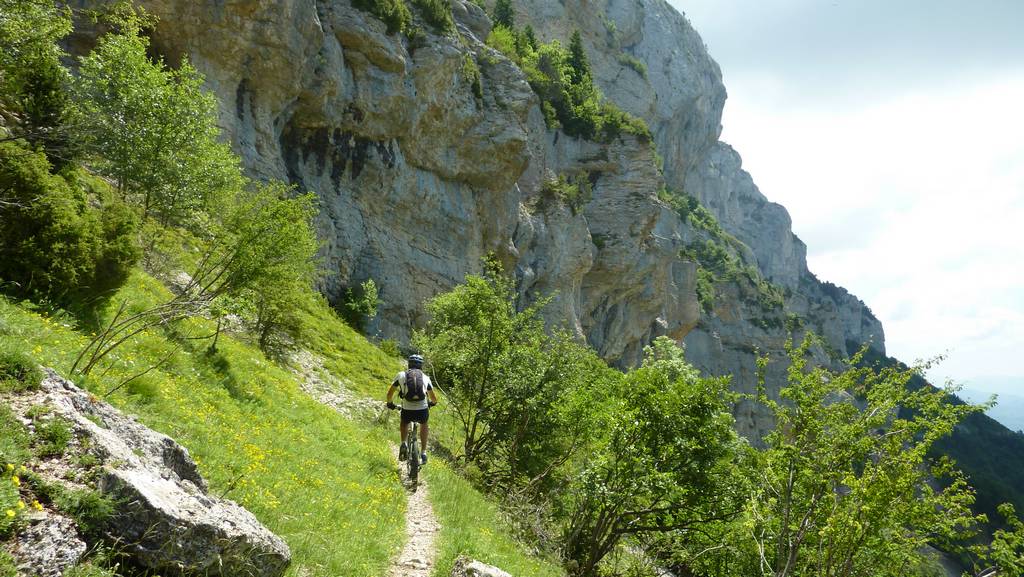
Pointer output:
x,y
326,484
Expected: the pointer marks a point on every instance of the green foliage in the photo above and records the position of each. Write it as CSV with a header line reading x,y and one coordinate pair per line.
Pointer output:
x,y
471,73
52,437
668,461
437,13
59,235
394,13
1005,553
628,60
271,247
562,79
18,372
511,385
361,304
33,96
574,191
152,129
504,14
845,490
89,508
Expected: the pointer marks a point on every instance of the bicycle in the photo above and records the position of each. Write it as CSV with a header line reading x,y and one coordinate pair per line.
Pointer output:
x,y
412,445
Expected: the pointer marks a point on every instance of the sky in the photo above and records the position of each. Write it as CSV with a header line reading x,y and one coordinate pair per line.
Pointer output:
x,y
893,132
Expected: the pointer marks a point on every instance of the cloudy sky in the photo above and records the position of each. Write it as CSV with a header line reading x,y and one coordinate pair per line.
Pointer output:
x,y
893,131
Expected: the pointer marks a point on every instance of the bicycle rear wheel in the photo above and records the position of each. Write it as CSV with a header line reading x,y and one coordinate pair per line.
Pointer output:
x,y
414,453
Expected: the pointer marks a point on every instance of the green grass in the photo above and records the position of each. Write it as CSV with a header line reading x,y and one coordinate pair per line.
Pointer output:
x,y
472,526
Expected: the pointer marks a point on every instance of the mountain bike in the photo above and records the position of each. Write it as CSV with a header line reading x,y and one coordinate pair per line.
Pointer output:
x,y
412,444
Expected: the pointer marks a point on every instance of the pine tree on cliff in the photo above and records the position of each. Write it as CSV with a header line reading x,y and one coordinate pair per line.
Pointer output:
x,y
578,64
504,14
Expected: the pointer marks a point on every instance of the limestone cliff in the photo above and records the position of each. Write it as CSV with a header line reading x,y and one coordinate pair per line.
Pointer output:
x,y
420,174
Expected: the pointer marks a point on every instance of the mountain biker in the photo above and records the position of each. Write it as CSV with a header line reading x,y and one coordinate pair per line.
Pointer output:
x,y
417,394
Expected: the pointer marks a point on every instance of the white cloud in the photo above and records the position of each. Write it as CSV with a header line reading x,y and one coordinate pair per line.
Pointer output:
x,y
915,203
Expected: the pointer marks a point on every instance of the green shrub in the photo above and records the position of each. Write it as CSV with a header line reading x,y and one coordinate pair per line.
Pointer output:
x,y
471,73
574,191
394,13
55,241
52,436
361,304
18,372
437,13
633,62
90,509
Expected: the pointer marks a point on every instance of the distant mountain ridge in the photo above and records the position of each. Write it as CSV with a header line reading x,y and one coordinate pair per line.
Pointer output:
x,y
1009,409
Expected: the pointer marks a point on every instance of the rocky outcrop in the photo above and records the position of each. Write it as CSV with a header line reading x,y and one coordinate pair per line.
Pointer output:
x,y
466,567
421,171
167,521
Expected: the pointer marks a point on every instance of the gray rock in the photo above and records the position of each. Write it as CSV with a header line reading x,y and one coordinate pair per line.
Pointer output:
x,y
48,546
466,567
165,519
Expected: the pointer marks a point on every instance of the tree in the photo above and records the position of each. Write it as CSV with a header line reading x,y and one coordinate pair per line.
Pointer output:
x,y
843,488
34,100
273,261
579,64
511,384
152,129
504,14
667,465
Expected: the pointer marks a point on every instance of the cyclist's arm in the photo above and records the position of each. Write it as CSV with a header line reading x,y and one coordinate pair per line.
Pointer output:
x,y
392,389
433,397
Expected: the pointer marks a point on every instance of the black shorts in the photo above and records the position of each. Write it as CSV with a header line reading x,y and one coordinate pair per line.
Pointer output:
x,y
415,415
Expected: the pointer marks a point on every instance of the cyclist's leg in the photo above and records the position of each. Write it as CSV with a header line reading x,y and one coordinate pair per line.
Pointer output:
x,y
403,430
423,437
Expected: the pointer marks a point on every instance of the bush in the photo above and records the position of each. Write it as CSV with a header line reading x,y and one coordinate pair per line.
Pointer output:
x,y
54,240
471,73
53,436
394,13
437,13
633,62
18,372
88,508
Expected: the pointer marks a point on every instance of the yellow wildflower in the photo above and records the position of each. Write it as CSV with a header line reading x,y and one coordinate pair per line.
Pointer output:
x,y
10,467
11,513
16,481
36,505
21,505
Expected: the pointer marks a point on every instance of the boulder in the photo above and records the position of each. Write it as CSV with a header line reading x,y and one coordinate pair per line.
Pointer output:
x,y
166,520
466,567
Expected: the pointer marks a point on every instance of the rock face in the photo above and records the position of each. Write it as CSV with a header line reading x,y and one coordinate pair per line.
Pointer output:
x,y
420,175
167,521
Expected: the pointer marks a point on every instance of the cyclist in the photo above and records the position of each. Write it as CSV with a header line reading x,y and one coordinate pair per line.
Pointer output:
x,y
417,394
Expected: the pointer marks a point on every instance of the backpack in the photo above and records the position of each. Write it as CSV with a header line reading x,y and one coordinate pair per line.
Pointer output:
x,y
415,388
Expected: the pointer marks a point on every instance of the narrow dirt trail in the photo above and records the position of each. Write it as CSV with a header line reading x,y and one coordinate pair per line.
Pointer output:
x,y
421,528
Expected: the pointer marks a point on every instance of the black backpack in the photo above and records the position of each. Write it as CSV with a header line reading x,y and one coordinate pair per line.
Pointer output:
x,y
415,388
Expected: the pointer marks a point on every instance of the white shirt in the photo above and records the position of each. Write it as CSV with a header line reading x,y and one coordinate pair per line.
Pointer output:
x,y
414,405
